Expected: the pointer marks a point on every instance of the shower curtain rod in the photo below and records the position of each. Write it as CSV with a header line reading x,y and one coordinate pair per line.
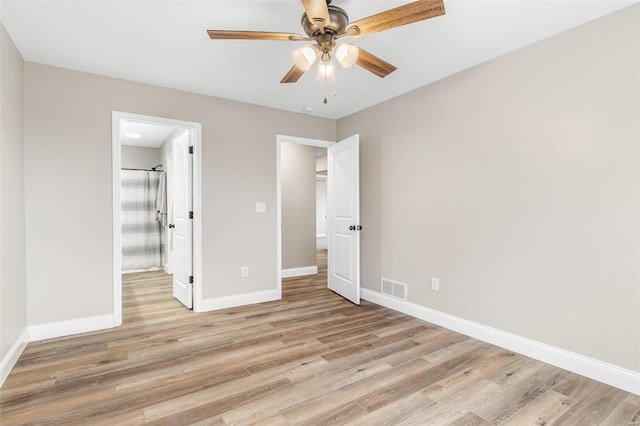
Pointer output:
x,y
153,169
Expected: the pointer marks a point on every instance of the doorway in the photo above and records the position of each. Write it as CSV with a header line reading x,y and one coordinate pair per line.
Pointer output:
x,y
343,214
182,140
308,148
143,196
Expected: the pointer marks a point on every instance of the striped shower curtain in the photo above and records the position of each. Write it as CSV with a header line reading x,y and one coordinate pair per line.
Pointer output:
x,y
142,235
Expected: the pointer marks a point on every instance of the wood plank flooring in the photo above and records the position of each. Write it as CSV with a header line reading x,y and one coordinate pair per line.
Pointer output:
x,y
309,359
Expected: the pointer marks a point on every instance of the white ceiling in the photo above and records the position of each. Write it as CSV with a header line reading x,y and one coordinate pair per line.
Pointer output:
x,y
165,43
150,135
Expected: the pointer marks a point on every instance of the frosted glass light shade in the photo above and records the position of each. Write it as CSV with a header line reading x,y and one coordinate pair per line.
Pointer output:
x,y
346,54
304,57
326,71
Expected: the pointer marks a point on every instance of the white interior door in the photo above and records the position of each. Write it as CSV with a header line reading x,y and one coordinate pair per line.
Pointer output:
x,y
343,218
182,226
169,232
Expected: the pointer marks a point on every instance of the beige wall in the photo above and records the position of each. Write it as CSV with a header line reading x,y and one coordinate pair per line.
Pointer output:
x,y
298,182
13,282
138,157
516,184
68,137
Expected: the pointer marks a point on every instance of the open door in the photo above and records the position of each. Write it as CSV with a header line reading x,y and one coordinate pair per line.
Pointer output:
x,y
343,218
182,264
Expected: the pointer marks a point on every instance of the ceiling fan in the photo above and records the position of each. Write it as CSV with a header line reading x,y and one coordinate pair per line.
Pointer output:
x,y
324,24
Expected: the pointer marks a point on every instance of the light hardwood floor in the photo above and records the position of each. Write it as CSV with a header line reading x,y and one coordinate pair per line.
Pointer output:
x,y
312,358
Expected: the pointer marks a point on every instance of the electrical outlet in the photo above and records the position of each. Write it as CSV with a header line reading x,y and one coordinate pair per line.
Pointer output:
x,y
244,271
261,207
435,284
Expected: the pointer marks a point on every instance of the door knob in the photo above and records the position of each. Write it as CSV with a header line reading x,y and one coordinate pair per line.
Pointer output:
x,y
171,225
359,228
352,228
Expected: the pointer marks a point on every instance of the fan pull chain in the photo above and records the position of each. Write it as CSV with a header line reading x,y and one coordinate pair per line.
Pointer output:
x,y
325,90
326,83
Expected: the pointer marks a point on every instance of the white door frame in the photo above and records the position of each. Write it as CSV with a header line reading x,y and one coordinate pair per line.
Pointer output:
x,y
195,130
280,139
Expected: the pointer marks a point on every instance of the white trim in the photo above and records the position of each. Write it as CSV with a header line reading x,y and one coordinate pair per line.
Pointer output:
x,y
240,300
613,375
9,360
279,140
304,141
195,132
136,271
299,272
69,327
115,230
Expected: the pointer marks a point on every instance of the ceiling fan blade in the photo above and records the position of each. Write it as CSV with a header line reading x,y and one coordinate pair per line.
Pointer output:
x,y
403,15
317,12
374,64
253,35
293,75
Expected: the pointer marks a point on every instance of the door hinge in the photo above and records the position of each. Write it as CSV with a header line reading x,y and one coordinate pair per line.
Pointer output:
x,y
190,279
191,150
190,215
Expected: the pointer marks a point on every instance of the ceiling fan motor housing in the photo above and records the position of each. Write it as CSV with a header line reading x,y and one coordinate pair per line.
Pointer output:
x,y
338,21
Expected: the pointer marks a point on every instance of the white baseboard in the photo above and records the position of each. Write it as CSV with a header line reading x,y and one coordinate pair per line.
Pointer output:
x,y
135,271
299,272
9,360
239,300
69,327
610,374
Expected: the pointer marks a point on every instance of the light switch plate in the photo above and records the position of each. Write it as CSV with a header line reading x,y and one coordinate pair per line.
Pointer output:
x,y
435,284
261,207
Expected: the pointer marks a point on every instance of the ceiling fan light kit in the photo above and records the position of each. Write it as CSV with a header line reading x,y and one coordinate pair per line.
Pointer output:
x,y
346,54
326,69
304,57
324,24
